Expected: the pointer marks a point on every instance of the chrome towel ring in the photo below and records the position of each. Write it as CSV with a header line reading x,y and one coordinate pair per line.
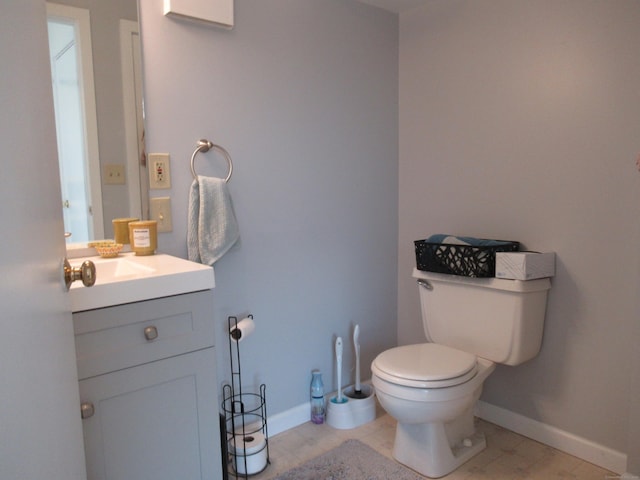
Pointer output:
x,y
204,146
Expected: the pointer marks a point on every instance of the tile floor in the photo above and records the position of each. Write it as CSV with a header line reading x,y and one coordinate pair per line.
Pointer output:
x,y
507,456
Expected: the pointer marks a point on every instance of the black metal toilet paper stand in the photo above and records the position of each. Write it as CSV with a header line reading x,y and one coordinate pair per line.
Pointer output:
x,y
245,418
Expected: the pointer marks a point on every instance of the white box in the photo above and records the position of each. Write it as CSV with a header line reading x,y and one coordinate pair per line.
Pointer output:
x,y
525,265
218,12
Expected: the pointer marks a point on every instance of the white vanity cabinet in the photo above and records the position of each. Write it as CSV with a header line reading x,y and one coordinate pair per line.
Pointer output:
x,y
148,389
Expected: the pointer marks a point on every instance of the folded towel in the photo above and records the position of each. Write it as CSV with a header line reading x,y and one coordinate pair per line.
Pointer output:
x,y
212,228
471,241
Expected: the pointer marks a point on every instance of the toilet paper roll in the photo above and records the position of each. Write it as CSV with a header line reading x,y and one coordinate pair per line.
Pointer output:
x,y
250,453
245,327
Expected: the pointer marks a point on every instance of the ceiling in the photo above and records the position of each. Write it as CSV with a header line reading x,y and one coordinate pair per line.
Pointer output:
x,y
396,6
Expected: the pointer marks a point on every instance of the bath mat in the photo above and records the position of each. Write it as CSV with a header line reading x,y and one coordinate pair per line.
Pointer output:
x,y
353,460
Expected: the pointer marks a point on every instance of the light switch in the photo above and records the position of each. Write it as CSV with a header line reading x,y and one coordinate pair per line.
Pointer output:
x,y
114,174
160,210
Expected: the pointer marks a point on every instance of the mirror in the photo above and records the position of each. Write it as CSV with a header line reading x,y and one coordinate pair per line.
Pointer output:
x,y
97,85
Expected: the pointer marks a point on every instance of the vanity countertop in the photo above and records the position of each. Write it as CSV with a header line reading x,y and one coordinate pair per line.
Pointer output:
x,y
129,278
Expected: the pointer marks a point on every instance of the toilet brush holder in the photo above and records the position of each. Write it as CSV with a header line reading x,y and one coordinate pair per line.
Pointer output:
x,y
355,411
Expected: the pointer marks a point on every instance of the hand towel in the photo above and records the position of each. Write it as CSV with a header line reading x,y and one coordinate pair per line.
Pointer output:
x,y
212,228
472,241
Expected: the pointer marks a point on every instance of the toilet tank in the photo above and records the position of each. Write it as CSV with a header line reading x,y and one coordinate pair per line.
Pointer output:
x,y
496,319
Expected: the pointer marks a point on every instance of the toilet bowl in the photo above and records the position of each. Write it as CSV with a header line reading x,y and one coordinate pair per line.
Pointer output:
x,y
431,388
435,432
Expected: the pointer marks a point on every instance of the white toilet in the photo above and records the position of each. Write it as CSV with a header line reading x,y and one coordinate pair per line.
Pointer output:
x,y
431,388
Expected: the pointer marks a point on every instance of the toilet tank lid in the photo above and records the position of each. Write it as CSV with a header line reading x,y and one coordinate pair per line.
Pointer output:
x,y
521,286
425,365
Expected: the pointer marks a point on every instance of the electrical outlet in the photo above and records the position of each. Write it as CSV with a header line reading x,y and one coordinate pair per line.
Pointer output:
x,y
160,210
159,174
114,174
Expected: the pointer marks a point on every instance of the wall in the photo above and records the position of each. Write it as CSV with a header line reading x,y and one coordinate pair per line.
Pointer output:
x,y
519,120
303,94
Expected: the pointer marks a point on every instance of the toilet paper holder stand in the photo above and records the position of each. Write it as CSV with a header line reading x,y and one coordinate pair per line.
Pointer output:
x,y
246,447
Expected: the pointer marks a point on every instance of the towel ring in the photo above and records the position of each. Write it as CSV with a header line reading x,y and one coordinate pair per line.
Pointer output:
x,y
204,146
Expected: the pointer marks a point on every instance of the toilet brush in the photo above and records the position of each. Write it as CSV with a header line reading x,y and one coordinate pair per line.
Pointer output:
x,y
357,391
339,398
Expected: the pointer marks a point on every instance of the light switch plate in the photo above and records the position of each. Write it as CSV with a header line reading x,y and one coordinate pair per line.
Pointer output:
x,y
114,174
160,210
159,171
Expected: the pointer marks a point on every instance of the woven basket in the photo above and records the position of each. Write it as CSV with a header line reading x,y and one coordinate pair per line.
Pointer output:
x,y
464,260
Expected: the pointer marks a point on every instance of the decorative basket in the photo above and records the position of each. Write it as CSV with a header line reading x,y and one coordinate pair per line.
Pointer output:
x,y
108,249
463,260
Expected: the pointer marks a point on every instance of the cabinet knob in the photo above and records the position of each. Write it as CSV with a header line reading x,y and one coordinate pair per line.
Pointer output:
x,y
87,410
151,333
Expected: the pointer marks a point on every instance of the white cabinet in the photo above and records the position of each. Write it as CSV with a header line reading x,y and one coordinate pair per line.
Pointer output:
x,y
219,12
148,390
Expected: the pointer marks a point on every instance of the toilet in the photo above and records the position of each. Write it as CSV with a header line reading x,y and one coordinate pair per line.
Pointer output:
x,y
471,324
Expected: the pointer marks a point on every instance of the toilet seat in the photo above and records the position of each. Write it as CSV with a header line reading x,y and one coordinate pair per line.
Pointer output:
x,y
426,365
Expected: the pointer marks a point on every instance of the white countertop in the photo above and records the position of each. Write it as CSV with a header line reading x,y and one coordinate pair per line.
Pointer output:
x,y
130,278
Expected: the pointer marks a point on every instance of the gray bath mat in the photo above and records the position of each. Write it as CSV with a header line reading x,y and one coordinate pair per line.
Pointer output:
x,y
353,460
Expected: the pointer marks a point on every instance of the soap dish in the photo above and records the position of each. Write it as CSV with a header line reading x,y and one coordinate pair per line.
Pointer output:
x,y
108,249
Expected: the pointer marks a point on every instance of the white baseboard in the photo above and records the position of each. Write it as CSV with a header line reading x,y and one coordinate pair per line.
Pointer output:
x,y
587,450
592,452
283,421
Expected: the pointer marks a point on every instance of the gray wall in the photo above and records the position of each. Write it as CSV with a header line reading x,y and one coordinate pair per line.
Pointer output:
x,y
303,94
519,120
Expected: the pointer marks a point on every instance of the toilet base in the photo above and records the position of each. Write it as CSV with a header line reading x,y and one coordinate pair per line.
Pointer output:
x,y
426,448
435,433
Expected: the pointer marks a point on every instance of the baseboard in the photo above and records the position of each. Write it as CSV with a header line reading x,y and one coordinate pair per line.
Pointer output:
x,y
554,437
587,450
283,421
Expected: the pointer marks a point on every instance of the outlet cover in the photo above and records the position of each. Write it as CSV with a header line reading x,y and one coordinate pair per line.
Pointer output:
x,y
159,171
160,211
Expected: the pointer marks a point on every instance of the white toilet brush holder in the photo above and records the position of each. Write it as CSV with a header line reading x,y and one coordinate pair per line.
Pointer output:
x,y
354,411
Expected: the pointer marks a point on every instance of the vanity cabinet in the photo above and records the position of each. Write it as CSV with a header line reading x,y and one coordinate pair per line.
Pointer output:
x,y
148,389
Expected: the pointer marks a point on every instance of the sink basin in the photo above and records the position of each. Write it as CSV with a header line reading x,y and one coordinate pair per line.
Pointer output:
x,y
130,278
115,269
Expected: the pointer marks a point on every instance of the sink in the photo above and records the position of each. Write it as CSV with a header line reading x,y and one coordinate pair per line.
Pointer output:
x,y
129,278
114,269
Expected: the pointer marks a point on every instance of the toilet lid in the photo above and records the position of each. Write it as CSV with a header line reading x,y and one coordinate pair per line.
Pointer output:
x,y
426,365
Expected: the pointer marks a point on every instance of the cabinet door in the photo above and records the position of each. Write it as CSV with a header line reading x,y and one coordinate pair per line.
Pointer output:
x,y
154,421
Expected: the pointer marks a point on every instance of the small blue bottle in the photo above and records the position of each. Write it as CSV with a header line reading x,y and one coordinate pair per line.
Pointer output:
x,y
317,397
